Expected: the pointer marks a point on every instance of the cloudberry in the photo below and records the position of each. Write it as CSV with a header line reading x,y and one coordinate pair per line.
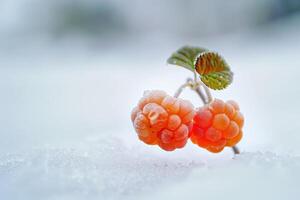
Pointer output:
x,y
160,119
217,125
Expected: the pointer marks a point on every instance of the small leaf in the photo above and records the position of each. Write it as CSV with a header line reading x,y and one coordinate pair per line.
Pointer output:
x,y
215,72
185,57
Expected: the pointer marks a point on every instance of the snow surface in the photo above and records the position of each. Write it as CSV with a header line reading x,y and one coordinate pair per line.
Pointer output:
x,y
66,130
109,170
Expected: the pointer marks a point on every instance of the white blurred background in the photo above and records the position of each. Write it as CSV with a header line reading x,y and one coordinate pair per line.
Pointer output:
x,y
72,70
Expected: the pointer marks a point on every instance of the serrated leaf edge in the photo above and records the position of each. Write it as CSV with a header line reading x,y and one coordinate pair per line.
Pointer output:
x,y
202,76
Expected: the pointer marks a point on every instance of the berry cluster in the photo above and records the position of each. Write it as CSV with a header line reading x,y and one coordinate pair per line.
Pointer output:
x,y
166,121
163,120
217,125
169,122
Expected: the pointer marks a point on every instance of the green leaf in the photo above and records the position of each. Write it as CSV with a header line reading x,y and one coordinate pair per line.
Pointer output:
x,y
185,57
214,71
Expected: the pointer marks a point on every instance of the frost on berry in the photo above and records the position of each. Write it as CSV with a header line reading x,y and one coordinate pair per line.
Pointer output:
x,y
217,125
160,119
174,122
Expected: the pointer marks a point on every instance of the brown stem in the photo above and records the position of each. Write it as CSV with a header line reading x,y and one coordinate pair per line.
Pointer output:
x,y
235,150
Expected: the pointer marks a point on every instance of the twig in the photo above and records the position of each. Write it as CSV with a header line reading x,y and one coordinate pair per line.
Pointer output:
x,y
179,90
207,91
235,150
201,95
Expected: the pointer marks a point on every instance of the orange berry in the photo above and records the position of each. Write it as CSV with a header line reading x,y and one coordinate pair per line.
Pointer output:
x,y
229,110
231,131
181,144
188,117
150,139
154,96
203,117
167,146
185,107
166,136
216,147
217,125
163,120
221,121
217,106
181,133
171,104
234,140
234,104
239,119
156,115
173,122
197,131
203,142
141,125
213,134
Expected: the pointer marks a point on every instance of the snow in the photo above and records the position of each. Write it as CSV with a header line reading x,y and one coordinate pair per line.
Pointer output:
x,y
107,169
66,130
98,172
